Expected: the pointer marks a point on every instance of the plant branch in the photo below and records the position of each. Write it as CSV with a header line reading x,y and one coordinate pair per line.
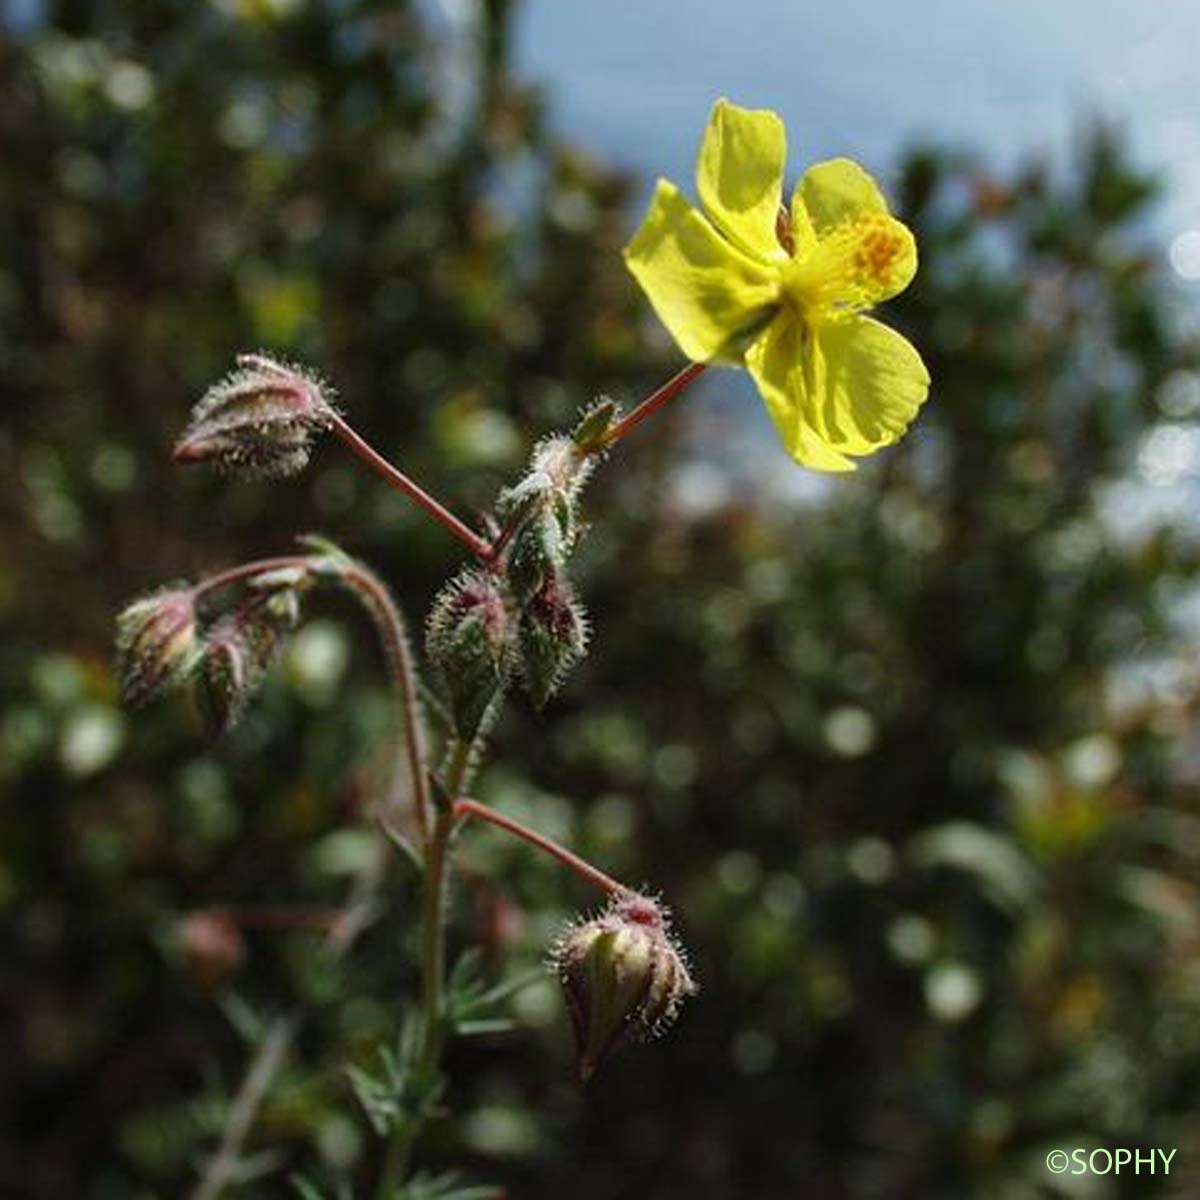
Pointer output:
x,y
389,621
648,407
465,808
248,570
433,958
396,478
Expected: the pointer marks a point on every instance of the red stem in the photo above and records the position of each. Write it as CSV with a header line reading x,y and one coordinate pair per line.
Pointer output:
x,y
396,478
472,808
652,404
247,570
647,408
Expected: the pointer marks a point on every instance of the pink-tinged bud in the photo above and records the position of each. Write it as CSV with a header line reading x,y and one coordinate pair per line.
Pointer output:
x,y
259,420
469,637
211,946
553,638
156,643
623,976
236,654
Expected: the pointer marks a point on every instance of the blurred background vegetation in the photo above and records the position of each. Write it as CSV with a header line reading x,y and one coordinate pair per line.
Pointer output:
x,y
914,759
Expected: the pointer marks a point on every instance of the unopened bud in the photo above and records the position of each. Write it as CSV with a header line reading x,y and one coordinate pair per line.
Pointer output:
x,y
544,507
469,638
594,423
211,946
623,976
553,637
259,420
237,653
156,643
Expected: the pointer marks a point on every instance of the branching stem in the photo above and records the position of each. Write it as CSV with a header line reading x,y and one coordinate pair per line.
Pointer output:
x,y
652,403
396,478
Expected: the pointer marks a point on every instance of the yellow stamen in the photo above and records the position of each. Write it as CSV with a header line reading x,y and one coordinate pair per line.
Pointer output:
x,y
852,268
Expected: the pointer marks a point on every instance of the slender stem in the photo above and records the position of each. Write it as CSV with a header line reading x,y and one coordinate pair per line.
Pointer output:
x,y
584,869
374,594
266,1064
506,536
478,546
360,906
433,933
651,404
433,960
248,570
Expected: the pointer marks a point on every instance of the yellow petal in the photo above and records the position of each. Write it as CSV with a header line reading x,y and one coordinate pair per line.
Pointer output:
x,y
739,176
870,382
845,388
777,363
836,191
705,291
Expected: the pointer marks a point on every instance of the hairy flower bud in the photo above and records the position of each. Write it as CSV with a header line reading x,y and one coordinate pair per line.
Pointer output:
x,y
623,976
543,505
237,653
259,420
553,637
156,643
469,637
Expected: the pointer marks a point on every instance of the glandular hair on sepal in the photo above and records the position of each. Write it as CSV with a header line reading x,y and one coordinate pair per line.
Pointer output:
x,y
259,420
236,653
157,643
469,639
553,637
624,976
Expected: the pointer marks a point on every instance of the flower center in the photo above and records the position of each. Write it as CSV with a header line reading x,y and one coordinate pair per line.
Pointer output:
x,y
854,266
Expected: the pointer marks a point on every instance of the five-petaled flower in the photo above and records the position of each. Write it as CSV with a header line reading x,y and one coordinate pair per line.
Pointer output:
x,y
783,291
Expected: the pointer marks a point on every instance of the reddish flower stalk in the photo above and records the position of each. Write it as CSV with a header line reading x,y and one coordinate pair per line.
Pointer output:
x,y
652,403
465,808
248,570
396,478
647,408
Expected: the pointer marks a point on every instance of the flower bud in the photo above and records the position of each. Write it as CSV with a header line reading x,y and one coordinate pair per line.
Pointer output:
x,y
259,420
156,643
544,506
594,423
623,976
553,637
237,653
469,637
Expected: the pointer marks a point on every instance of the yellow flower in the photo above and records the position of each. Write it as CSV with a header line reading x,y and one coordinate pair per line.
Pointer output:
x,y
783,291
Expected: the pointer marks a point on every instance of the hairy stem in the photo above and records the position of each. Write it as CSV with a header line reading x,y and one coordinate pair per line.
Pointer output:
x,y
433,957
389,621
472,808
396,478
248,570
360,906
